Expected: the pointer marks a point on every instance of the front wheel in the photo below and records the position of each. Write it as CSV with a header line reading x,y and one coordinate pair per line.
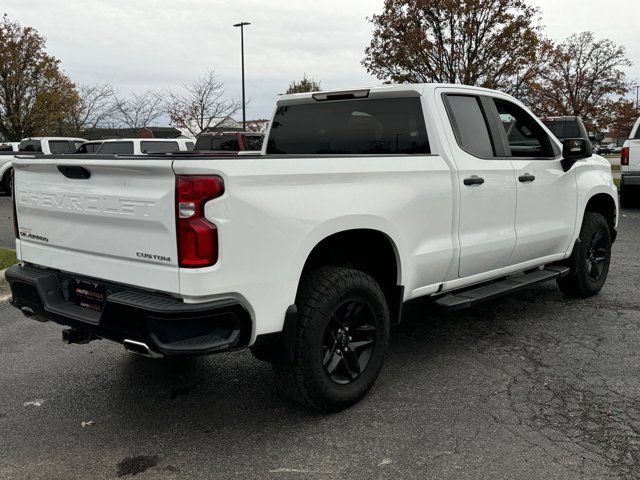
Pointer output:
x,y
341,341
590,260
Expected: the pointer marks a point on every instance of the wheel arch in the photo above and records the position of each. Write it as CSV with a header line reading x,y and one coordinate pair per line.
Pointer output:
x,y
4,169
369,250
337,249
604,204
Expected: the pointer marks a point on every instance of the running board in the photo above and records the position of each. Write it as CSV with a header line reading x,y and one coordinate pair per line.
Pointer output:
x,y
468,298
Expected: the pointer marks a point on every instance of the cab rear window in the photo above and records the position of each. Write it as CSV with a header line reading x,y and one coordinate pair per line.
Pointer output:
x,y
61,146
159,147
350,127
116,148
224,143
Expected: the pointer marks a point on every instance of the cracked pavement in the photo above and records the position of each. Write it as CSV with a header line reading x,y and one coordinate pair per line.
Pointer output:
x,y
534,385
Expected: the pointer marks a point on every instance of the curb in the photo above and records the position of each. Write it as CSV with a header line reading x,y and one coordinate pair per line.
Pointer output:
x,y
5,291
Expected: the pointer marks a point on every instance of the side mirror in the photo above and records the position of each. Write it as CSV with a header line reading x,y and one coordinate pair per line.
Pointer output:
x,y
599,136
574,149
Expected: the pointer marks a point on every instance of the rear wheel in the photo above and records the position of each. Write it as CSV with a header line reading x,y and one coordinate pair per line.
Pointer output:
x,y
341,341
589,262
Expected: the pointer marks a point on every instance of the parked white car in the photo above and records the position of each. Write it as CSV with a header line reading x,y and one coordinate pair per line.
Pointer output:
x,y
360,201
9,146
630,168
145,146
35,146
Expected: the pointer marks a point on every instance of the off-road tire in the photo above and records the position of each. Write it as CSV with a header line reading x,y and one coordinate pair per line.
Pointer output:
x,y
321,292
580,282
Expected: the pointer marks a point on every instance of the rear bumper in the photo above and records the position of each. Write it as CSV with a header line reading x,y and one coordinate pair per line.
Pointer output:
x,y
631,178
168,326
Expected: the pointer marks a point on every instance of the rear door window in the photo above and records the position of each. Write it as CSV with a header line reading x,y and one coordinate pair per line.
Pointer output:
x,y
470,125
350,127
61,146
116,148
159,147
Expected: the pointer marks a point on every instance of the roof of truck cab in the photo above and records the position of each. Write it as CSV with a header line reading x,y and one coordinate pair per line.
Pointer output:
x,y
40,139
391,90
111,140
220,134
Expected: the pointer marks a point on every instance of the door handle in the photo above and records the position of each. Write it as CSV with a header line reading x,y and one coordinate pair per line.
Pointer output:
x,y
527,178
473,180
74,172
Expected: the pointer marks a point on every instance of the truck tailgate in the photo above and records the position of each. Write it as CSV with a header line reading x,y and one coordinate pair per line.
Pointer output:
x,y
118,224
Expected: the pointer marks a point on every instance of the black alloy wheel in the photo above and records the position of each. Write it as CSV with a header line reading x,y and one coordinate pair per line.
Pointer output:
x,y
349,340
590,259
597,256
342,334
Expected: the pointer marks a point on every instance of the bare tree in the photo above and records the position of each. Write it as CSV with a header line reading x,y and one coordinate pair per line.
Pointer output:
x,y
139,110
96,105
200,105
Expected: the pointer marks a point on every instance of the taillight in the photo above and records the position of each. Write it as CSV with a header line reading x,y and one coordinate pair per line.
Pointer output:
x,y
197,237
13,202
624,156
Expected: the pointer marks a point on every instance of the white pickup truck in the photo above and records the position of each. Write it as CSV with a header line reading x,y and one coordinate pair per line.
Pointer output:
x,y
630,168
34,145
144,146
360,201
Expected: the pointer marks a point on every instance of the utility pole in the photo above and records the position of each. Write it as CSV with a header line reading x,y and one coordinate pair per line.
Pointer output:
x,y
244,111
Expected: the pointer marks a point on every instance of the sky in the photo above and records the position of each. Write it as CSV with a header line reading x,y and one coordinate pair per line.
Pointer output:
x,y
159,44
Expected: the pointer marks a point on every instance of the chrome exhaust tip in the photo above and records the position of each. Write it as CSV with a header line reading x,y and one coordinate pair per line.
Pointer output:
x,y
139,348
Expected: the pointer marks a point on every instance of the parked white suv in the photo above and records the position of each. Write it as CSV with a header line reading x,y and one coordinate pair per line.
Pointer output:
x,y
630,168
360,201
145,146
34,146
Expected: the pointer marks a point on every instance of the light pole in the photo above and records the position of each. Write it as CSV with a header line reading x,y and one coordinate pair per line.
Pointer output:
x,y
244,111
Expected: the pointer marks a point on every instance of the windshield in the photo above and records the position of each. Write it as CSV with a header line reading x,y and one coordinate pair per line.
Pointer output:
x,y
563,128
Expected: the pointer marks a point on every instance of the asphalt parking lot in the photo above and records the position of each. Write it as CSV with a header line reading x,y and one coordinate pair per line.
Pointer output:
x,y
531,386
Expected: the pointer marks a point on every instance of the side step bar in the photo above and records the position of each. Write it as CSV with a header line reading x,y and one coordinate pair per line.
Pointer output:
x,y
467,298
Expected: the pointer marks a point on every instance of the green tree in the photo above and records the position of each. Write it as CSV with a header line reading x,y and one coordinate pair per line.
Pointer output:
x,y
35,96
489,43
304,85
